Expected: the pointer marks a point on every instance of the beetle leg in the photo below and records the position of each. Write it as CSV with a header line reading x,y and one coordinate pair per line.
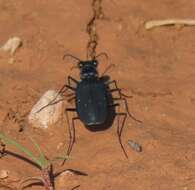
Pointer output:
x,y
70,87
116,89
71,130
107,68
72,79
112,82
127,108
120,93
72,98
71,94
63,89
120,129
52,102
113,105
66,87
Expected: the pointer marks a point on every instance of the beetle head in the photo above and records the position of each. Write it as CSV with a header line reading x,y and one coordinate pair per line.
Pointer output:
x,y
88,69
91,63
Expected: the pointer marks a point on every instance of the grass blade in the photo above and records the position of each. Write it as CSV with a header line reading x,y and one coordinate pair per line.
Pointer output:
x,y
8,140
42,158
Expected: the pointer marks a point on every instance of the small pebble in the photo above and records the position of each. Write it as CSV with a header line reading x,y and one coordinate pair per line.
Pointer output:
x,y
135,146
11,60
3,174
66,180
59,145
120,27
3,114
67,172
12,45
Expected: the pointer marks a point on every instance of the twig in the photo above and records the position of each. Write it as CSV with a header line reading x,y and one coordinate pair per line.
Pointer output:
x,y
156,23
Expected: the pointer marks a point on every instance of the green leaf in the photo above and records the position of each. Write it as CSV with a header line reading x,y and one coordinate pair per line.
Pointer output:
x,y
44,162
60,158
8,140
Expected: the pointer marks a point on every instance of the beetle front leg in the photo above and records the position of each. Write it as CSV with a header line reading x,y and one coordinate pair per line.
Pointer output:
x,y
65,87
72,79
69,85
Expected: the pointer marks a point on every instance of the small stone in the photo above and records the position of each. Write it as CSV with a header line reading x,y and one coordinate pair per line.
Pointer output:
x,y
11,60
3,174
3,114
43,115
67,173
119,27
135,146
66,180
12,45
59,145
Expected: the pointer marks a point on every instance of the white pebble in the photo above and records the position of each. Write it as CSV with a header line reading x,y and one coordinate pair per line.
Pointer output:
x,y
3,174
59,145
135,146
12,45
66,180
11,60
50,114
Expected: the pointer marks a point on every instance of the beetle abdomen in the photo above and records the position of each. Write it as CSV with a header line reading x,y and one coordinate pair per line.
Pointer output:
x,y
92,106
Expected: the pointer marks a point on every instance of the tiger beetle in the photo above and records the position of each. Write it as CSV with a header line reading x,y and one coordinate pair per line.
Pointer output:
x,y
93,97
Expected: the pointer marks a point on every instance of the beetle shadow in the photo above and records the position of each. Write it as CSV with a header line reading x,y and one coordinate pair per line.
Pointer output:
x,y
111,111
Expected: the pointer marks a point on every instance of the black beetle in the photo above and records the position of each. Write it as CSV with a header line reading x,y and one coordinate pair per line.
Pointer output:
x,y
91,96
93,100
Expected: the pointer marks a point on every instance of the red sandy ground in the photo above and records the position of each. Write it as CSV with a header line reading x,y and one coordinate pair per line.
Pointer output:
x,y
156,67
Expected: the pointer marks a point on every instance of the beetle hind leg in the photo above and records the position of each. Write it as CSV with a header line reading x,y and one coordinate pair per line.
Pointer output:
x,y
71,131
120,130
120,126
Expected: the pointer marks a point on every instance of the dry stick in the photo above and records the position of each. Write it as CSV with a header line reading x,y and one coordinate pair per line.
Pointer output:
x,y
156,23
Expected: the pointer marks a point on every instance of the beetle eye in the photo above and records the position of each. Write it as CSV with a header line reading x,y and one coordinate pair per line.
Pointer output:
x,y
95,63
80,65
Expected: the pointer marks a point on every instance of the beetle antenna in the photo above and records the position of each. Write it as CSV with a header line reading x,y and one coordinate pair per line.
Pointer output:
x,y
108,68
102,54
69,55
74,67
